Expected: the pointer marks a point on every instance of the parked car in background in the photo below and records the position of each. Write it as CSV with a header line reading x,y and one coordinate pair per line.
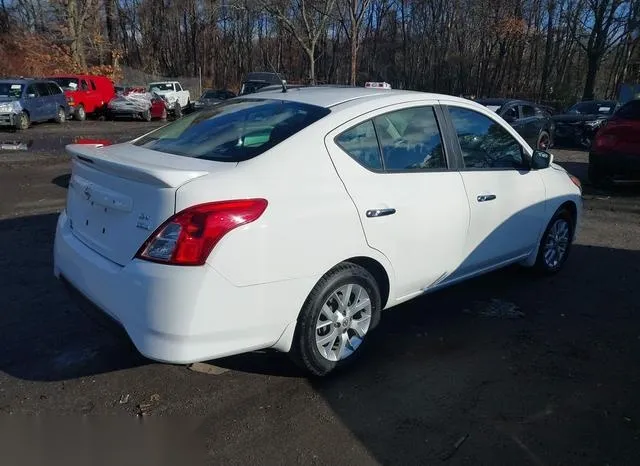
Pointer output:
x,y
615,153
255,81
23,101
178,99
580,123
212,236
86,94
530,120
137,103
212,97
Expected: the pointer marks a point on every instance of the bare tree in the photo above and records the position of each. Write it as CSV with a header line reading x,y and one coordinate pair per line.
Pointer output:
x,y
352,14
306,20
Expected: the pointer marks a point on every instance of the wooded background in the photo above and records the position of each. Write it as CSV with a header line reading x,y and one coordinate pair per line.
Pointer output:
x,y
545,50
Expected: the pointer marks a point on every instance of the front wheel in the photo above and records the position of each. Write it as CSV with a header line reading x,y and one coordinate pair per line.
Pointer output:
x,y
335,319
22,121
555,243
177,110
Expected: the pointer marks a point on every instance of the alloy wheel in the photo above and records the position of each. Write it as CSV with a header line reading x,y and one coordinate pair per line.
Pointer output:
x,y
343,322
556,243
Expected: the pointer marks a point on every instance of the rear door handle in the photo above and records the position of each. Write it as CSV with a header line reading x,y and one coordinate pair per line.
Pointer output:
x,y
380,212
486,197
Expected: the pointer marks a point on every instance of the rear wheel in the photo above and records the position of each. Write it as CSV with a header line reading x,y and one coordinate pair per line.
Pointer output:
x,y
61,116
555,243
544,141
80,113
336,317
23,121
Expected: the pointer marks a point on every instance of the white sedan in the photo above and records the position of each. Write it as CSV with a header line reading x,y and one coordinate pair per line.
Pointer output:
x,y
291,219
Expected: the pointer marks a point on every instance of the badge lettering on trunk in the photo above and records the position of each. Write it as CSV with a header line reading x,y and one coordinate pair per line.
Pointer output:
x,y
144,222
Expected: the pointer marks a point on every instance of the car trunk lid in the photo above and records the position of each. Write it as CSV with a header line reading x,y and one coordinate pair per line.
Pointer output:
x,y
118,195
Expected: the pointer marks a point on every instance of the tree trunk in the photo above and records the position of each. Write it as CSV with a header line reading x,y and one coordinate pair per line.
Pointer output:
x,y
593,64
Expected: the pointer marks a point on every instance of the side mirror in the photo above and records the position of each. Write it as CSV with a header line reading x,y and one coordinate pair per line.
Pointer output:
x,y
541,159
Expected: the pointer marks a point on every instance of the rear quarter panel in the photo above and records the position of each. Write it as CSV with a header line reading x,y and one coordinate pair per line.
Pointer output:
x,y
309,226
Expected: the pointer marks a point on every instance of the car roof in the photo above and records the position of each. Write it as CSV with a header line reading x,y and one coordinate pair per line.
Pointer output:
x,y
330,96
503,101
24,80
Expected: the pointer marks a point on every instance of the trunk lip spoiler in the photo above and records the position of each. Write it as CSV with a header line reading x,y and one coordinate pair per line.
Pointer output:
x,y
155,174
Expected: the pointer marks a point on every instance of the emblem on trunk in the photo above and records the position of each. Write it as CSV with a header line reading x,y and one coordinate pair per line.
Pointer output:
x,y
144,222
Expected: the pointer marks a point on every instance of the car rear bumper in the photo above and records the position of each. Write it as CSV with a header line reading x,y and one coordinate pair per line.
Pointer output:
x,y
174,314
616,164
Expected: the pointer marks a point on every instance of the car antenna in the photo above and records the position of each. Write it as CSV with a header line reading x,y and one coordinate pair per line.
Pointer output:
x,y
283,81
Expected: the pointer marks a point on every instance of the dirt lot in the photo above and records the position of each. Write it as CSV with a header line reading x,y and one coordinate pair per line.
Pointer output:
x,y
554,382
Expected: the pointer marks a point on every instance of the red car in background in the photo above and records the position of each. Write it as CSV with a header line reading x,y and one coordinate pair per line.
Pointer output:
x,y
136,102
615,153
86,94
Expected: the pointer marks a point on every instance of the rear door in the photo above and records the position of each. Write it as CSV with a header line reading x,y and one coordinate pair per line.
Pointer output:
x,y
412,207
506,198
47,101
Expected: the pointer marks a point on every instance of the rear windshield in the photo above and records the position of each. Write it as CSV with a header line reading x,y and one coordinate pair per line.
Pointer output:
x,y
11,90
68,84
234,130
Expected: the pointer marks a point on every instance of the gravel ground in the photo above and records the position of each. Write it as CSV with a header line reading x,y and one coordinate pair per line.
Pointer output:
x,y
505,369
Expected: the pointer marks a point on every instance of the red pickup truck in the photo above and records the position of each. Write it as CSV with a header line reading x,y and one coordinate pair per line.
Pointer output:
x,y
86,94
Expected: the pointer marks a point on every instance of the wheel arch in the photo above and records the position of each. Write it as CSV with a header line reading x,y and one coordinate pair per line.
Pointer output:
x,y
379,273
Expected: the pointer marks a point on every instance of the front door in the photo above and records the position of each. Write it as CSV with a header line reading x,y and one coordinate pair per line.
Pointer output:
x,y
34,103
412,207
506,198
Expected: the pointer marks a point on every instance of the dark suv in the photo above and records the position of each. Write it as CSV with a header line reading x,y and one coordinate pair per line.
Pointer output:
x,y
530,120
23,101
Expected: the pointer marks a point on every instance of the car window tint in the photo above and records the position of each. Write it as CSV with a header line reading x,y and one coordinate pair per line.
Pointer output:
x,y
511,112
233,131
361,144
178,87
528,111
410,139
83,85
93,85
484,142
630,110
31,90
43,89
54,88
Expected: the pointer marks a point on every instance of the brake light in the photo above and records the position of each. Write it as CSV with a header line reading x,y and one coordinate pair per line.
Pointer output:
x,y
189,236
575,180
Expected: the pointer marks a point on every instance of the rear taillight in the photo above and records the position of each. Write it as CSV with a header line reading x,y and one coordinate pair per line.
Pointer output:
x,y
189,236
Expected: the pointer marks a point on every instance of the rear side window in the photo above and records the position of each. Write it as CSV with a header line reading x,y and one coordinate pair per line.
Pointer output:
x,y
43,89
178,87
233,130
410,139
528,111
32,91
83,85
93,85
54,89
361,143
630,110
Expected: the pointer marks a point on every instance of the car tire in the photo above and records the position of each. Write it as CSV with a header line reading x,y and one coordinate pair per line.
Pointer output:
x,y
340,329
61,116
544,141
555,243
23,122
80,113
146,115
177,110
